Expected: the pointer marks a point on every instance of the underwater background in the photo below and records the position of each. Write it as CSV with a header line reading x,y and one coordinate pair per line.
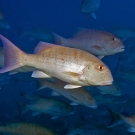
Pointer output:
x,y
64,17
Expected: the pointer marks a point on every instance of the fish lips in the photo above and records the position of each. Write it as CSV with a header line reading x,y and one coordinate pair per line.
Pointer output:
x,y
120,49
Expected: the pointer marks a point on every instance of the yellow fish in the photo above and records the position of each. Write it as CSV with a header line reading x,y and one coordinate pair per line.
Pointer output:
x,y
26,129
76,67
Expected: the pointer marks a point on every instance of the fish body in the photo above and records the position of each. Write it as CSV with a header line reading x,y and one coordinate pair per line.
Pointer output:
x,y
48,106
97,42
123,32
90,6
38,33
120,119
78,95
74,66
26,129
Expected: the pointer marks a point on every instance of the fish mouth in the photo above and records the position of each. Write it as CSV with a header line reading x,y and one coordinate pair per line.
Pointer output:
x,y
121,49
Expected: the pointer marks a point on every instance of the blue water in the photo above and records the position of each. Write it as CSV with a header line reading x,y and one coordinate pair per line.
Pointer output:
x,y
61,17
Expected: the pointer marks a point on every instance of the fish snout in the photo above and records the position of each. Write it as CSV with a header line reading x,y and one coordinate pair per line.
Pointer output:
x,y
120,49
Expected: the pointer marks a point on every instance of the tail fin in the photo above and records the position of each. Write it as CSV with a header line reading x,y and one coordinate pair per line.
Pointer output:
x,y
21,108
41,84
12,56
116,119
58,39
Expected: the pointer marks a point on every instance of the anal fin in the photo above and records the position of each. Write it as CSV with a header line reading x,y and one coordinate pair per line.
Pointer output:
x,y
39,74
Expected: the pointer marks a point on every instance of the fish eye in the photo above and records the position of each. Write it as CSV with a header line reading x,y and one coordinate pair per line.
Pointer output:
x,y
100,68
114,39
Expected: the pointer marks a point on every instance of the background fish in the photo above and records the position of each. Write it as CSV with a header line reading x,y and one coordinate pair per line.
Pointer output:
x,y
25,129
97,42
38,33
119,119
123,32
78,95
48,106
90,7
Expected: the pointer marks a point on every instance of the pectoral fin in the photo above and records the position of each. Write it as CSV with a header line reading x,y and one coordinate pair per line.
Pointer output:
x,y
72,74
100,57
39,74
55,93
97,47
36,113
103,93
94,15
73,103
71,86
54,117
12,72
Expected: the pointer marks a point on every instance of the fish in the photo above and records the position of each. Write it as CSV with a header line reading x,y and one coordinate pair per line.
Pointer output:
x,y
46,105
77,96
90,7
41,34
123,32
4,24
21,128
76,67
96,42
112,89
121,119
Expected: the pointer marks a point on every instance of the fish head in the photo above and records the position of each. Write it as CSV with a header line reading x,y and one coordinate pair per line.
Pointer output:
x,y
97,73
113,44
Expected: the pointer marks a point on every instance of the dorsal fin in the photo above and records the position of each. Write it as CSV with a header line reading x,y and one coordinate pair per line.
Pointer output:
x,y
42,46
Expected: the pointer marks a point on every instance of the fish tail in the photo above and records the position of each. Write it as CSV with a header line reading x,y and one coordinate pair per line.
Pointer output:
x,y
21,108
116,119
12,56
41,84
58,39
